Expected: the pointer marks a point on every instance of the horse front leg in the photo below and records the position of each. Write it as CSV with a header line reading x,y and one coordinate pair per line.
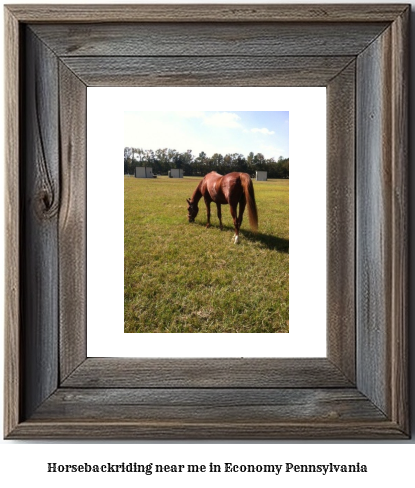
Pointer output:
x,y
218,206
235,223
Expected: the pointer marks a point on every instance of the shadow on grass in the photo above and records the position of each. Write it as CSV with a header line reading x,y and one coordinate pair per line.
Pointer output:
x,y
267,240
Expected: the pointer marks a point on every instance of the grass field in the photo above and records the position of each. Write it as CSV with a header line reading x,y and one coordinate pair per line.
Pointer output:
x,y
181,277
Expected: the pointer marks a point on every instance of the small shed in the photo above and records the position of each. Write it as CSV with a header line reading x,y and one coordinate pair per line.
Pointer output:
x,y
261,175
176,173
143,172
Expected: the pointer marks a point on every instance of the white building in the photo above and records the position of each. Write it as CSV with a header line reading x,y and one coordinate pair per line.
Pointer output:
x,y
261,175
143,172
176,173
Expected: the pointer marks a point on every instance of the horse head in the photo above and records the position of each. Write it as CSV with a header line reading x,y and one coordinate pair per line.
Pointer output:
x,y
192,210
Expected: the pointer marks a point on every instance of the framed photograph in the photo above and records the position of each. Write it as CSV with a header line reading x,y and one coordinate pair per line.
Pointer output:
x,y
53,389
185,278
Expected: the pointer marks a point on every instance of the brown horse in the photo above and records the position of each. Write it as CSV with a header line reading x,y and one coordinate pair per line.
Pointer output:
x,y
231,189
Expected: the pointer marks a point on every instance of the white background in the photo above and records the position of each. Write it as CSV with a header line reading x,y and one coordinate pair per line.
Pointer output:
x,y
105,190
24,463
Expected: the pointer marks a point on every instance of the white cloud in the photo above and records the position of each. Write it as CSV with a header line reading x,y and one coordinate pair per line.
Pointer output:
x,y
263,131
191,114
272,151
223,120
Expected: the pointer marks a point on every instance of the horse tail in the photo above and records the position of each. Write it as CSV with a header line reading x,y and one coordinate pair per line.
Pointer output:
x,y
248,189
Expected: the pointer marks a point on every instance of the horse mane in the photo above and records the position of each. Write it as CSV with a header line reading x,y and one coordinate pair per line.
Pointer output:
x,y
197,194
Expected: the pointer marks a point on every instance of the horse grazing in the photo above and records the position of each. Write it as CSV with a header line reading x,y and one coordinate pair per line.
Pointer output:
x,y
231,189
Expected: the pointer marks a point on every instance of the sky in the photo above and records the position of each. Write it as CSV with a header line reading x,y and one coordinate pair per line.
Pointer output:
x,y
211,132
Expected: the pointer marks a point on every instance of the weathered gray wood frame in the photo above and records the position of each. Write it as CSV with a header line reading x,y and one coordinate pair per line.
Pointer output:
x,y
359,52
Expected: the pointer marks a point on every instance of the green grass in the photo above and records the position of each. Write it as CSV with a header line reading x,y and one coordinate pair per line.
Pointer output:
x,y
181,277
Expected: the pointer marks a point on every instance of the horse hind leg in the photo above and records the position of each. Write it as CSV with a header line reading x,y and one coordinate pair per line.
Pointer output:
x,y
218,206
207,202
235,223
242,205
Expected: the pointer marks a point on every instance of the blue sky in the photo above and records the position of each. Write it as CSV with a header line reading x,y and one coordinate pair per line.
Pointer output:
x,y
221,132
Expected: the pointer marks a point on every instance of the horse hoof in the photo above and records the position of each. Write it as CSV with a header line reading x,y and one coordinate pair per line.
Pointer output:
x,y
207,226
236,240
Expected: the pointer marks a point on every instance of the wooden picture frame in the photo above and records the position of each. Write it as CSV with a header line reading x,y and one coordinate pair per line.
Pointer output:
x,y
360,53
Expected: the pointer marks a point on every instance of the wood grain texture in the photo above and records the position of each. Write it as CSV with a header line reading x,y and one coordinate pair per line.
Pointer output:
x,y
382,223
72,222
234,39
147,430
206,399
40,205
400,247
206,71
206,13
13,380
373,221
206,373
341,238
209,405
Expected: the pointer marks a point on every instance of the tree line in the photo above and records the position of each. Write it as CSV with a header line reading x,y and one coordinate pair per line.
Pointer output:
x,y
162,160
